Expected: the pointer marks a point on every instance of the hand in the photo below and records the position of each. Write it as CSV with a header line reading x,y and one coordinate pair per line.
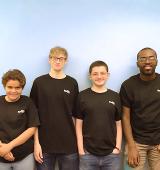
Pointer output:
x,y
133,156
5,148
116,151
81,153
38,153
9,157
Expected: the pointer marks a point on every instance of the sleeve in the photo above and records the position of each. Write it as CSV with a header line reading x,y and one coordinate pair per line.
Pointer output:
x,y
125,96
34,94
32,115
76,92
79,108
118,114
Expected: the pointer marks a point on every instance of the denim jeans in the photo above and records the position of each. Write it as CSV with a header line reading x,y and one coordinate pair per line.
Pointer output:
x,y
92,162
65,162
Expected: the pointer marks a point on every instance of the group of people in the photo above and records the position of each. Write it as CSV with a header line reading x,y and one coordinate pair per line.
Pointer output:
x,y
81,130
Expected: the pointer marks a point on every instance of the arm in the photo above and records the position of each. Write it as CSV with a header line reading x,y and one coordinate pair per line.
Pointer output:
x,y
79,134
37,148
118,137
133,155
74,121
21,139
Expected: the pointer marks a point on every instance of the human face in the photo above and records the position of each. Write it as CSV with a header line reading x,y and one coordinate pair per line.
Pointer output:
x,y
98,76
13,90
57,62
147,62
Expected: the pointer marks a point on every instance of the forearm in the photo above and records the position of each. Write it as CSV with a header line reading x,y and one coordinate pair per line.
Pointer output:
x,y
119,134
79,135
36,137
127,126
22,138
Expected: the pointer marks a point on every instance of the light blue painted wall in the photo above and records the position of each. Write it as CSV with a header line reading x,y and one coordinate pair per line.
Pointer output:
x,y
109,30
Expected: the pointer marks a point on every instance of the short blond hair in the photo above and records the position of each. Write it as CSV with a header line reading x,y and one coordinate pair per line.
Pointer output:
x,y
58,50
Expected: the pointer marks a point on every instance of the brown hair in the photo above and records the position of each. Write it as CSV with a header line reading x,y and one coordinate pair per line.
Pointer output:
x,y
14,74
98,63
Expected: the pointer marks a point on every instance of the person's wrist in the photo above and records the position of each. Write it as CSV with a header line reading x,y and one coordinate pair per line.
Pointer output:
x,y
118,149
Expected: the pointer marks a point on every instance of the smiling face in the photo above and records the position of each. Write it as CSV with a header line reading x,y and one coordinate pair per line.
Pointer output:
x,y
13,90
147,62
98,76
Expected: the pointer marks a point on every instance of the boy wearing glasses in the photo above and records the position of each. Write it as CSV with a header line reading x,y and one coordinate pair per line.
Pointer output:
x,y
98,123
54,95
140,96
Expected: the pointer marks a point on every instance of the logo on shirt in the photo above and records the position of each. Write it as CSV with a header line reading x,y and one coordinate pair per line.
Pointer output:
x,y
67,91
158,90
112,102
21,111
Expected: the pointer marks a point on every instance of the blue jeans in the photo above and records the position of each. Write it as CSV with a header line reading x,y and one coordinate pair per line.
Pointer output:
x,y
65,162
92,162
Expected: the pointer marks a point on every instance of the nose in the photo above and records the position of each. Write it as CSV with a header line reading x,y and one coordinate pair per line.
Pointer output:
x,y
13,90
99,75
147,60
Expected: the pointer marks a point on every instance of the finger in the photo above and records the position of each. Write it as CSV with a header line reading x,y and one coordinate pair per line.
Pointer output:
x,y
38,158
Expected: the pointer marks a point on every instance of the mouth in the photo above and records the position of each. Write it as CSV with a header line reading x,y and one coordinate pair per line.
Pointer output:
x,y
147,67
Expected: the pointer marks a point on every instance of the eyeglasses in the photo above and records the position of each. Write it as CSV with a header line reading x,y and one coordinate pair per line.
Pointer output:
x,y
144,59
60,59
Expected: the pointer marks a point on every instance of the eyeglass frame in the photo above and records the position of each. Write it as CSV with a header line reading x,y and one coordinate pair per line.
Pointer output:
x,y
60,59
149,58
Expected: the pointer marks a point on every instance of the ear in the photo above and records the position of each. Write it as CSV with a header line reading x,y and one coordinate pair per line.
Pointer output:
x,y
49,60
108,75
137,64
89,76
157,62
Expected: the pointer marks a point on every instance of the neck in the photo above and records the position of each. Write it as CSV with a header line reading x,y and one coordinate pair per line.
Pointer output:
x,y
147,77
57,74
8,100
99,89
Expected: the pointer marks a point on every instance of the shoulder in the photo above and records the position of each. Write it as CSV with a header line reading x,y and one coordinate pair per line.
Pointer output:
x,y
41,78
2,98
71,79
114,93
85,91
131,80
26,99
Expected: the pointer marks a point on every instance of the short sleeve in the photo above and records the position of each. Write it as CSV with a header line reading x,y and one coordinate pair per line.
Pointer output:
x,y
79,108
32,115
118,114
125,96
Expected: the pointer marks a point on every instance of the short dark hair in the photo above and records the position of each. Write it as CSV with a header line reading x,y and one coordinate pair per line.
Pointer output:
x,y
146,48
14,74
98,63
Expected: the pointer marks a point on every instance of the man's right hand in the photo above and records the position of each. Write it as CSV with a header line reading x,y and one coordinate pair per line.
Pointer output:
x,y
133,156
9,157
38,153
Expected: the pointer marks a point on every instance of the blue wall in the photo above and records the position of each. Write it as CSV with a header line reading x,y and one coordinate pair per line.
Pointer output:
x,y
110,30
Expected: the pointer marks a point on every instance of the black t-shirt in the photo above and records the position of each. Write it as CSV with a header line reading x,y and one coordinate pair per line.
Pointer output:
x,y
15,118
55,100
143,98
99,112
